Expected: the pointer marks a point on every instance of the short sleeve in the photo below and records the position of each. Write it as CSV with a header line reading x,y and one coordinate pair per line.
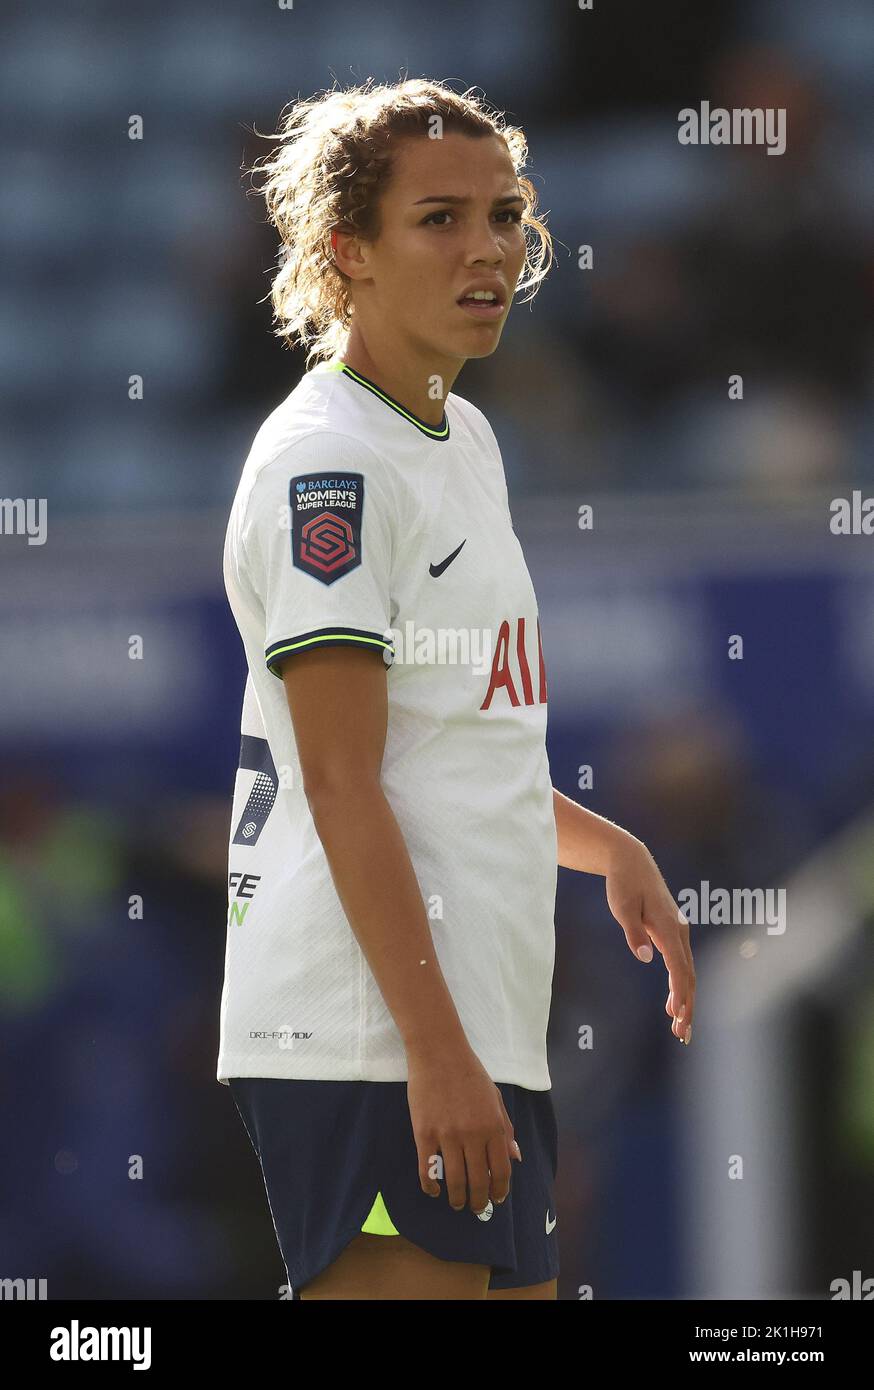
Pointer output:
x,y
319,538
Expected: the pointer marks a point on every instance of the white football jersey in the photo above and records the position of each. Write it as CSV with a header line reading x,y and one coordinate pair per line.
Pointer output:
x,y
356,522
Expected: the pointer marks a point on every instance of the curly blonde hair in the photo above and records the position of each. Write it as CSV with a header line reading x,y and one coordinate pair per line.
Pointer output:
x,y
329,169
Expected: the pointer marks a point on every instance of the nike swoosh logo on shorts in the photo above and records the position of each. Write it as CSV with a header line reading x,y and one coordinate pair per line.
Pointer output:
x,y
550,1225
437,570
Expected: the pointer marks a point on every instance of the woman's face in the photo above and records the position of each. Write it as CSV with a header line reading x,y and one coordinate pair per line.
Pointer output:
x,y
449,223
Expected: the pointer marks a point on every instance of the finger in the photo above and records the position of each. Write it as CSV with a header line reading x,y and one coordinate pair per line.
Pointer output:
x,y
455,1174
683,1002
477,1164
665,932
430,1164
681,978
500,1167
684,1027
515,1151
679,1014
679,982
629,915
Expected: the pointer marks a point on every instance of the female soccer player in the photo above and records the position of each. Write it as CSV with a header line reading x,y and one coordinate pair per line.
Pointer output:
x,y
395,834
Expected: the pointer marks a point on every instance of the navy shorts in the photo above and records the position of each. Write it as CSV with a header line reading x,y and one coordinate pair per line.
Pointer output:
x,y
338,1154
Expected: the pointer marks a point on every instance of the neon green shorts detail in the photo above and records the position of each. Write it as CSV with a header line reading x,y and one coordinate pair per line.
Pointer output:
x,y
378,1222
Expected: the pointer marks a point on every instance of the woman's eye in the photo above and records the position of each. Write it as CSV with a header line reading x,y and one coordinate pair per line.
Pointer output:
x,y
504,214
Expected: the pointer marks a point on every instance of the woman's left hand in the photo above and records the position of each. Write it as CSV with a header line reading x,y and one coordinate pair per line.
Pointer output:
x,y
642,904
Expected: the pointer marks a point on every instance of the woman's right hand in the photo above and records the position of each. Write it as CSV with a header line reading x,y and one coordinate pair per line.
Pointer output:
x,y
458,1116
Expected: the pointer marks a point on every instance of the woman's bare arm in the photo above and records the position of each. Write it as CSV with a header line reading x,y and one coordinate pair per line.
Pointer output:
x,y
338,701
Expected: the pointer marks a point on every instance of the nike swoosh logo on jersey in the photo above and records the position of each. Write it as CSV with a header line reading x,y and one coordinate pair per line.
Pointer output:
x,y
550,1225
437,570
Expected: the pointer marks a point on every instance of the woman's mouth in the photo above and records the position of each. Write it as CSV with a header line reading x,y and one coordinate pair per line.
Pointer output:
x,y
482,305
